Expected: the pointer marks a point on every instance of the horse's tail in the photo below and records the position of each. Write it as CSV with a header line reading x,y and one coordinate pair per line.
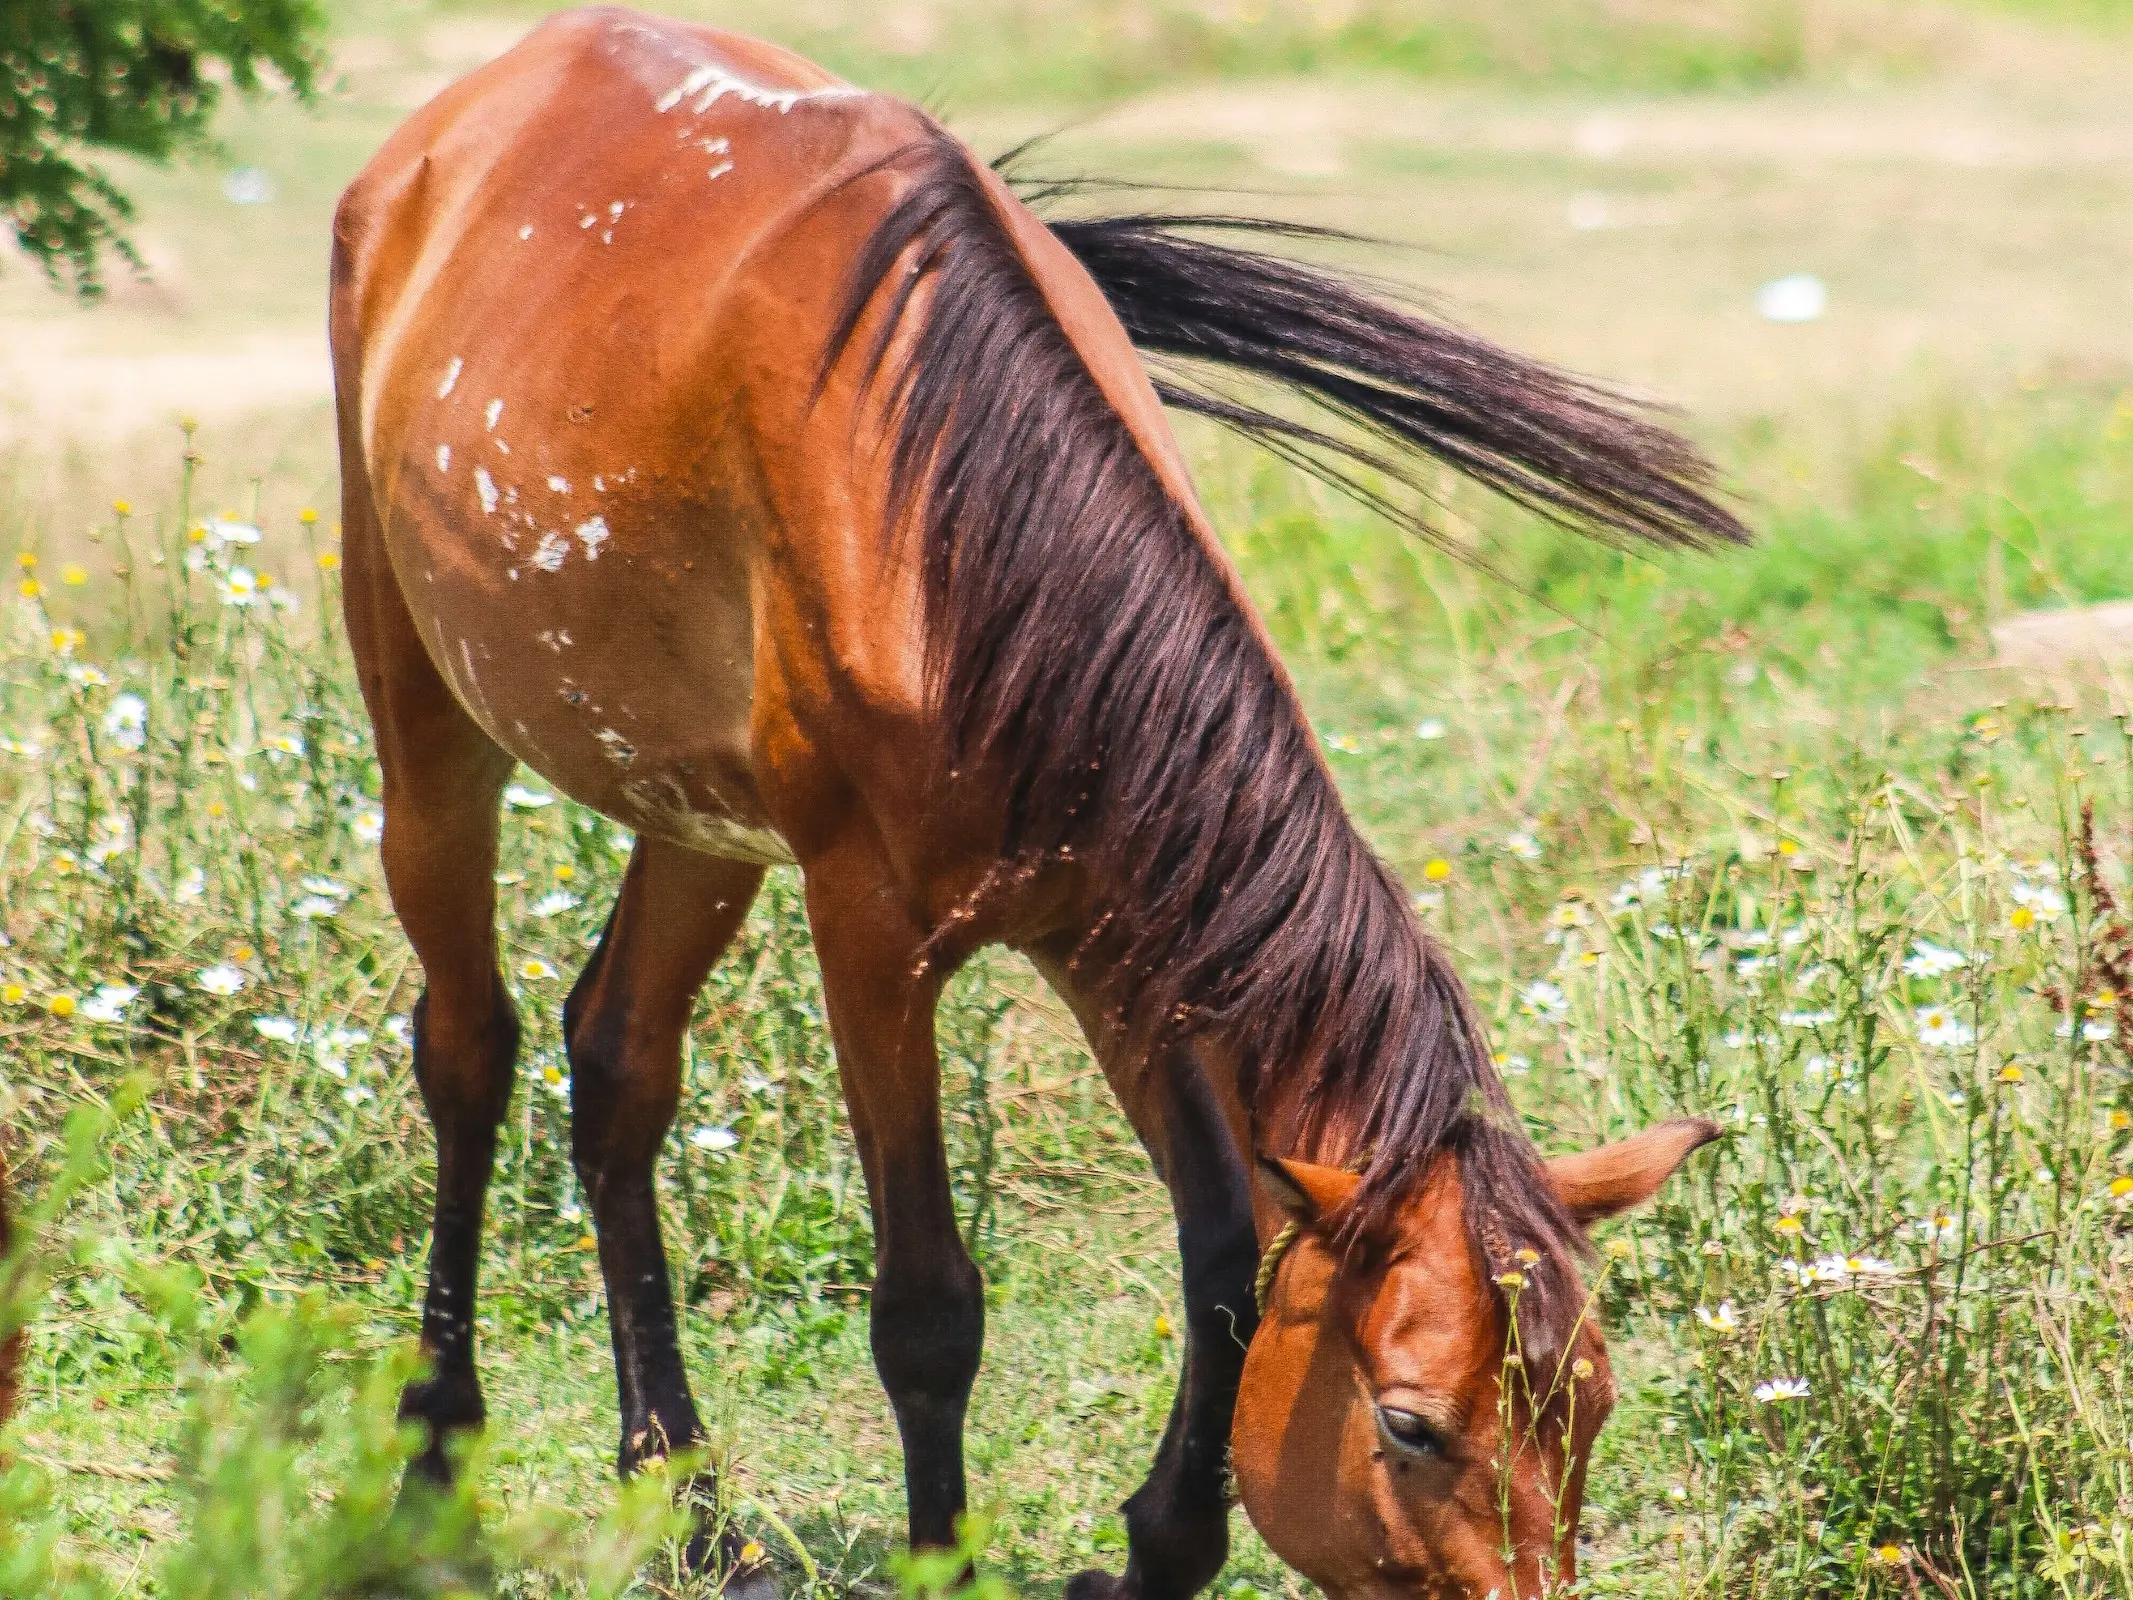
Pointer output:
x,y
1565,447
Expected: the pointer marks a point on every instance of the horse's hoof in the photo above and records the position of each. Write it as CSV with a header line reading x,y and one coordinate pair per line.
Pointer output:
x,y
756,1582
1093,1583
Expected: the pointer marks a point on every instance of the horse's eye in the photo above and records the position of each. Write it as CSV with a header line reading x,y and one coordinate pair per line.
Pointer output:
x,y
1410,1432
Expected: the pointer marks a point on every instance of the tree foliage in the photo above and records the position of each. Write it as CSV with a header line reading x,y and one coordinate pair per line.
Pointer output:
x,y
141,77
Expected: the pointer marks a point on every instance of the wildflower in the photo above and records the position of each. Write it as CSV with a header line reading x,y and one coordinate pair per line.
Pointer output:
x,y
314,906
1724,1320
2121,1119
13,994
1163,1329
1430,728
752,1551
368,825
1527,1256
227,530
1582,1369
2010,1074
30,588
2093,1029
402,1029
327,886
1523,845
1544,1000
240,587
2022,919
1436,871
1940,1225
1619,1249
123,508
1886,1555
87,676
554,903
73,576
109,1002
1929,960
1511,1280
61,1005
534,968
564,872
1805,1019
307,516
329,560
2043,902
715,1140
520,798
126,723
1512,1066
1789,1225
1941,1029
28,749
1567,916
192,886
287,744
282,1030
1775,1390
2121,1187
622,842
222,980
358,1093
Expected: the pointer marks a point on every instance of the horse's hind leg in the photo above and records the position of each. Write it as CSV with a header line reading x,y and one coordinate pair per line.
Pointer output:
x,y
443,778
623,1026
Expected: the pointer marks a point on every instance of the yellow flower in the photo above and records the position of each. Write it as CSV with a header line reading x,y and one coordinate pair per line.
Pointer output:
x,y
243,952
1163,1329
26,560
2121,1186
1581,1369
197,533
329,560
61,1005
565,873
123,507
1889,1555
31,588
1788,847
307,516
214,808
73,576
535,967
1511,1280
1437,871
1618,1249
2011,1073
751,1551
551,1074
587,1242
2121,1119
2022,919
1528,1257
1787,1224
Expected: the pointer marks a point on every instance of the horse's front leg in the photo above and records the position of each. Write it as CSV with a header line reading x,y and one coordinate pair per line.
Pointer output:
x,y
1177,1522
928,1302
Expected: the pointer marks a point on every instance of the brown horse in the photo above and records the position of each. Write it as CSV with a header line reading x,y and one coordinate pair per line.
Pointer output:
x,y
728,445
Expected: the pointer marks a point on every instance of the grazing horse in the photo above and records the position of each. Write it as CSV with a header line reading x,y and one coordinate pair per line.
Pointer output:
x,y
728,445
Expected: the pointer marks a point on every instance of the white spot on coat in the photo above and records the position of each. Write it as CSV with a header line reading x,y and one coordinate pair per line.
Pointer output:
x,y
451,376
599,484
485,486
721,169
548,556
614,210
711,84
559,485
444,458
526,232
495,410
593,534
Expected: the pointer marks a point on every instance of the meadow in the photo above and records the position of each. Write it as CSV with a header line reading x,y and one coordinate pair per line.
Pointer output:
x,y
1769,837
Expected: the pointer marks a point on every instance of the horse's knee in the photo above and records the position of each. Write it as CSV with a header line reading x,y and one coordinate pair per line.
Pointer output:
x,y
928,1327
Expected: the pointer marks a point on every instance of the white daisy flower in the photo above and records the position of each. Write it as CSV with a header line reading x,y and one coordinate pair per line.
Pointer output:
x,y
368,825
314,906
716,1140
222,979
240,586
327,886
1930,960
282,1030
1545,1000
1723,1320
192,886
1773,1390
554,903
520,798
1430,728
109,1002
1940,1029
126,723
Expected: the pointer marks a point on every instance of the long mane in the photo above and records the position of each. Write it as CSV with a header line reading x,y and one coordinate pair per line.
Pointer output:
x,y
1086,648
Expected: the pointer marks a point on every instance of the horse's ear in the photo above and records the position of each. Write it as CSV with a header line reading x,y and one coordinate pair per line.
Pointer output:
x,y
1596,1184
1308,1193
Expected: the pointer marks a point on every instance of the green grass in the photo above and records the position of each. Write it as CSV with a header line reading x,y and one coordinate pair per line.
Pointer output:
x,y
235,1251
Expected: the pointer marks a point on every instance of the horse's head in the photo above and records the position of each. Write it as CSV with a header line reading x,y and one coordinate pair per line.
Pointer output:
x,y
1391,1439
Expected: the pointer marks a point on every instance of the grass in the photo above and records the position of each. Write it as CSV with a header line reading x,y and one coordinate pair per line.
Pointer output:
x,y
1737,836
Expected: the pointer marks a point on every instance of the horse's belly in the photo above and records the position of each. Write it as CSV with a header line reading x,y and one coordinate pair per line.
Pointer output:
x,y
620,669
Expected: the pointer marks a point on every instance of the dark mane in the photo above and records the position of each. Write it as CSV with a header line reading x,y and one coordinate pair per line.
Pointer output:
x,y
1084,644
